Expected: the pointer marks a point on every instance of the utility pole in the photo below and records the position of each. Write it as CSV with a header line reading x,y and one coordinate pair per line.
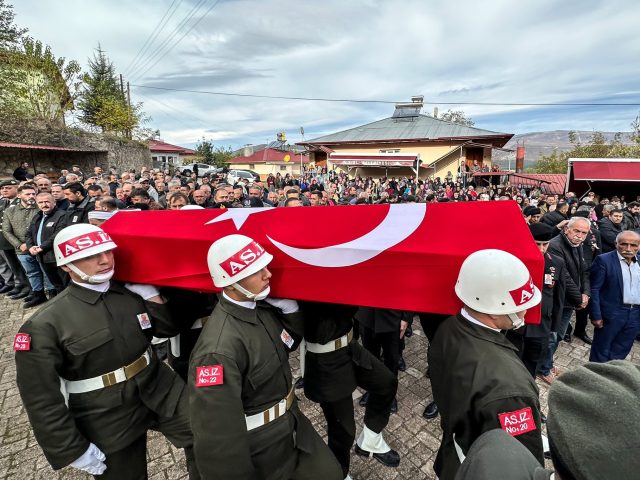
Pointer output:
x,y
121,86
129,107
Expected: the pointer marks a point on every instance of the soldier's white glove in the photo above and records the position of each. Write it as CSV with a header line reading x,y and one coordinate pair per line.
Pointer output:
x,y
284,304
142,289
91,461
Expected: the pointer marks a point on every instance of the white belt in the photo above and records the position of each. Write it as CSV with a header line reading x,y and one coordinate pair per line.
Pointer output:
x,y
331,346
117,376
270,414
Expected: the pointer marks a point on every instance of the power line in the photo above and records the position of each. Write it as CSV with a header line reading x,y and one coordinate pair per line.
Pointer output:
x,y
175,110
154,34
346,100
152,56
180,39
161,54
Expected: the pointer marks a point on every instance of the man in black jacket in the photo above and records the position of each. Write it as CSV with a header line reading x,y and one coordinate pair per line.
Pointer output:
x,y
556,216
591,248
21,172
533,341
631,219
567,246
610,227
39,239
80,203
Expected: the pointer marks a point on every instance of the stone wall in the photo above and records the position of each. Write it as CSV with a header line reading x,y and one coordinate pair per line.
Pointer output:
x,y
93,149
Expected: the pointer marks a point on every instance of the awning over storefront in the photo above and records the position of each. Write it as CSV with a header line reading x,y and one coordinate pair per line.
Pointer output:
x,y
606,169
374,160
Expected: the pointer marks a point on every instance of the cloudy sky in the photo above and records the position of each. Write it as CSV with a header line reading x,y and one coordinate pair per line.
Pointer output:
x,y
496,51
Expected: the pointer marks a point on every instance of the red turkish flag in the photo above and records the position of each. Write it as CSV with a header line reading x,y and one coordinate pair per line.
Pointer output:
x,y
403,256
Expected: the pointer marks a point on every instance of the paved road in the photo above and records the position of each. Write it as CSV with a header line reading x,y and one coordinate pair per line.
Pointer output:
x,y
415,438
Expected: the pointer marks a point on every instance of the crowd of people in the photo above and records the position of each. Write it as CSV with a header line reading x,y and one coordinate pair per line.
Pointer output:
x,y
229,397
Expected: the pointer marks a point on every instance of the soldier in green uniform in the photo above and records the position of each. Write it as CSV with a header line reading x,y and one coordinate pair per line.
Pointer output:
x,y
244,414
88,379
479,382
13,274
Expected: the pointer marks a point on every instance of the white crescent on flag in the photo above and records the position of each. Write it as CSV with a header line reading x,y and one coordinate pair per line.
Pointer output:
x,y
400,222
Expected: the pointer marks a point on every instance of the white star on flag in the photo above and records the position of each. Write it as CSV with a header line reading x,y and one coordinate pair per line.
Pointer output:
x,y
238,215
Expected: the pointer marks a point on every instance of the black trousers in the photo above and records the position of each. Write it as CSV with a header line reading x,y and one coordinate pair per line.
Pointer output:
x,y
130,463
430,323
341,427
384,345
533,351
581,321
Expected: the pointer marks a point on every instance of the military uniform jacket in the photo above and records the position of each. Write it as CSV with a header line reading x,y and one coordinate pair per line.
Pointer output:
x,y
331,376
4,204
479,384
252,373
81,334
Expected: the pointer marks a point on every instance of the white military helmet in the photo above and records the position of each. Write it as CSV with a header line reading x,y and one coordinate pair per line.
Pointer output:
x,y
497,283
80,241
235,257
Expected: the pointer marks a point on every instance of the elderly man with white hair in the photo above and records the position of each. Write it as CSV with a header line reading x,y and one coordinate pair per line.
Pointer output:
x,y
568,246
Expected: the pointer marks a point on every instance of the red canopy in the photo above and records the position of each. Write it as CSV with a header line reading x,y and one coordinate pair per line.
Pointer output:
x,y
607,170
404,256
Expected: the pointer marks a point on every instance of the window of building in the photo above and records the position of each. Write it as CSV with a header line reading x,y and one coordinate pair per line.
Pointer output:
x,y
252,166
283,167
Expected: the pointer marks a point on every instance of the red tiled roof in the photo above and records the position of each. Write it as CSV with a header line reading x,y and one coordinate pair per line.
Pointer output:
x,y
24,146
164,147
270,155
553,183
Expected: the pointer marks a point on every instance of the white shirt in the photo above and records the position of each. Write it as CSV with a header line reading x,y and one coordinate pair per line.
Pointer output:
x,y
98,287
630,281
466,315
246,304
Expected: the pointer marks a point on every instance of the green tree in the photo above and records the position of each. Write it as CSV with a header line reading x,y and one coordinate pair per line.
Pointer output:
x,y
101,87
596,147
457,116
554,163
10,33
208,153
45,86
36,84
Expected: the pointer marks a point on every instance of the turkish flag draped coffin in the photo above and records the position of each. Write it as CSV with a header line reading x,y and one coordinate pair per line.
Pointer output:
x,y
403,257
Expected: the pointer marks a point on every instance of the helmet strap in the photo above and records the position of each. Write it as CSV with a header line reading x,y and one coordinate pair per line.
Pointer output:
x,y
516,320
250,295
95,279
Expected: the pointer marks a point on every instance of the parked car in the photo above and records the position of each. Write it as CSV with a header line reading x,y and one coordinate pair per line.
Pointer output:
x,y
234,176
203,169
